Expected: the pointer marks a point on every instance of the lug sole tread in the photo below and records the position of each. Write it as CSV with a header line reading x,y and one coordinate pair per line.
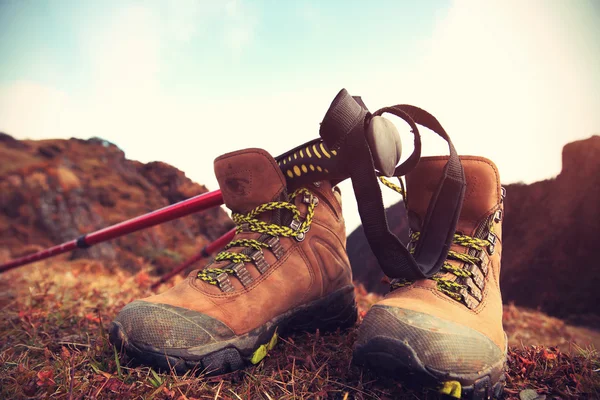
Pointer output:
x,y
397,359
335,311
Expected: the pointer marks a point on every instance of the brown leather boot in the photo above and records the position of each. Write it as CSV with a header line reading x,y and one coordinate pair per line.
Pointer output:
x,y
446,331
285,270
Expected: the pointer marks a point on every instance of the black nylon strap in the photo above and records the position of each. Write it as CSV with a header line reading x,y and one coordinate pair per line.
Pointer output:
x,y
444,208
343,128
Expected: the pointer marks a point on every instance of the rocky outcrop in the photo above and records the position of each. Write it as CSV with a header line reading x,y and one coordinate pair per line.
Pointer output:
x,y
52,191
551,235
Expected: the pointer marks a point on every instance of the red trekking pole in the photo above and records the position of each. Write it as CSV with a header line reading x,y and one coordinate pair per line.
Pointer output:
x,y
205,252
198,203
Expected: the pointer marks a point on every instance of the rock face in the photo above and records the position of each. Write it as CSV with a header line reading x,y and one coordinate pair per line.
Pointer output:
x,y
551,235
551,239
52,191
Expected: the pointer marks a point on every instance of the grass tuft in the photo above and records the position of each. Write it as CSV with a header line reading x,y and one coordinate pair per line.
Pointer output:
x,y
54,344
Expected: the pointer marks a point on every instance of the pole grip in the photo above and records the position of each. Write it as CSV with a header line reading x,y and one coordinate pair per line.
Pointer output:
x,y
311,162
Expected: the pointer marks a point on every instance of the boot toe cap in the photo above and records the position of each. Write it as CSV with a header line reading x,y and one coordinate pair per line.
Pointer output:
x,y
397,338
160,327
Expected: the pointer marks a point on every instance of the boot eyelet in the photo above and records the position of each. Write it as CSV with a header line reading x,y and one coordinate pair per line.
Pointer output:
x,y
259,260
302,235
484,261
498,216
310,199
492,239
224,282
473,290
242,273
468,300
275,246
477,275
295,224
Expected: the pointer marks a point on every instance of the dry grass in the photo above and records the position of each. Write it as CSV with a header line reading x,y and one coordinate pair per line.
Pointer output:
x,y
53,344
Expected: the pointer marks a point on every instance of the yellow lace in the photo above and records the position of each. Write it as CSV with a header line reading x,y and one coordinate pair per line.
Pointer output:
x,y
445,285
249,223
400,189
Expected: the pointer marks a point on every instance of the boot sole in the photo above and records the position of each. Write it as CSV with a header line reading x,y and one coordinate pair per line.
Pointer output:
x,y
395,358
337,310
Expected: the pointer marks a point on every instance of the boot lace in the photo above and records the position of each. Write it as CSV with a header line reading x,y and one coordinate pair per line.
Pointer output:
x,y
450,287
249,223
445,285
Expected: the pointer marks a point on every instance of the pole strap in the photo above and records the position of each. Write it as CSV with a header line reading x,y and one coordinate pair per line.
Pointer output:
x,y
343,128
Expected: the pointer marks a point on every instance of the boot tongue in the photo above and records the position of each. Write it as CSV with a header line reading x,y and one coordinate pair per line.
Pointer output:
x,y
481,196
249,178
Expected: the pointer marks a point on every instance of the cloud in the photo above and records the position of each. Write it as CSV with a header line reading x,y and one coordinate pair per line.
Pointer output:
x,y
240,25
231,21
186,18
125,59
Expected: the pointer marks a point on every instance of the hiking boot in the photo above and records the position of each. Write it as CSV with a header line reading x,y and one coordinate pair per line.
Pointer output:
x,y
285,270
446,331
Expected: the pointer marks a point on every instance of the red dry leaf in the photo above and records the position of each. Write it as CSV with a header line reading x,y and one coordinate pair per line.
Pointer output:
x,y
142,278
48,354
92,317
548,355
526,361
64,353
115,385
46,378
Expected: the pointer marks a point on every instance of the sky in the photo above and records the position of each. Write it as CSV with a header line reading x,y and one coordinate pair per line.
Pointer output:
x,y
185,81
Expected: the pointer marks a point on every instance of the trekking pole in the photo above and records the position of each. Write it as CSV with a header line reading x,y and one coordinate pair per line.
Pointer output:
x,y
205,252
165,214
309,162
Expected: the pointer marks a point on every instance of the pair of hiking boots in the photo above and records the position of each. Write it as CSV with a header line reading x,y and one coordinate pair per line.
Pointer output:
x,y
287,270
